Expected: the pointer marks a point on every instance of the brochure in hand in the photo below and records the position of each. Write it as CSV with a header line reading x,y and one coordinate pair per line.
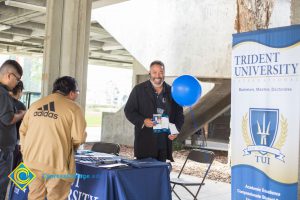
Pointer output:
x,y
161,123
173,129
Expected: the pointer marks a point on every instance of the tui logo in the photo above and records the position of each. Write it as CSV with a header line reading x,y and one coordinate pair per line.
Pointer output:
x,y
264,138
47,110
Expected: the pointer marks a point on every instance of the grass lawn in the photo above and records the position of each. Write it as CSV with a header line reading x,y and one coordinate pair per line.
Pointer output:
x,y
93,119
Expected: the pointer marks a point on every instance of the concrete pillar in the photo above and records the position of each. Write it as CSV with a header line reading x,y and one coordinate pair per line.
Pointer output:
x,y
205,127
194,139
138,69
67,43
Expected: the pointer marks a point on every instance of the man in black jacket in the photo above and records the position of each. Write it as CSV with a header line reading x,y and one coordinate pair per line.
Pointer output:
x,y
10,75
148,98
16,95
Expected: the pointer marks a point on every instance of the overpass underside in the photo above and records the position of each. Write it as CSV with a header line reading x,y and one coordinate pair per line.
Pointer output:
x,y
209,107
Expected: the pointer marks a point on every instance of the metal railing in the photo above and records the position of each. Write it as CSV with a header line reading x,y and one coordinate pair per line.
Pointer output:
x,y
29,97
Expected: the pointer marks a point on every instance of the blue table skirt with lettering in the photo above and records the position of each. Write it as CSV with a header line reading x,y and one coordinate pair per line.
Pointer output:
x,y
146,182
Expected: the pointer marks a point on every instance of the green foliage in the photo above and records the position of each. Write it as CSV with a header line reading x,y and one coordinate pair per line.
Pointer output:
x,y
177,145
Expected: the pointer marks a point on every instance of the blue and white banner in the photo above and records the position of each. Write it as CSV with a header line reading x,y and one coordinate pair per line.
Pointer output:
x,y
265,111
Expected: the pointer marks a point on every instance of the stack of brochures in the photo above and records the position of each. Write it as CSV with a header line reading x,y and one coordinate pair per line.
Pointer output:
x,y
98,159
147,162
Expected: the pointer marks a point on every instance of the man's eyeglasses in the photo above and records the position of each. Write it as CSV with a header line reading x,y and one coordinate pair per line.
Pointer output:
x,y
17,78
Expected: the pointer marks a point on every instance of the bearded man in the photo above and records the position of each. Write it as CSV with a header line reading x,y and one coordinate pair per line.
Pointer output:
x,y
148,99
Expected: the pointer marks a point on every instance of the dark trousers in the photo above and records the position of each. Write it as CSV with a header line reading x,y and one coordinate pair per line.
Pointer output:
x,y
17,157
6,159
162,155
162,144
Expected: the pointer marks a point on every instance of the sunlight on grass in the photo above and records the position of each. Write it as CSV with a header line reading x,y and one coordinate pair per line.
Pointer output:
x,y
93,119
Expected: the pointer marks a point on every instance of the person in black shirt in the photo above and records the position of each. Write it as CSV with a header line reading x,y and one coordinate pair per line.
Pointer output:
x,y
146,99
16,94
10,74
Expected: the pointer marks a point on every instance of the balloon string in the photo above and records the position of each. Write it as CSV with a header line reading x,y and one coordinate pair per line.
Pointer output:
x,y
203,144
193,118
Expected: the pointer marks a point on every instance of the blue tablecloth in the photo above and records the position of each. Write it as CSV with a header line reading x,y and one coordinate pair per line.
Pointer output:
x,y
142,180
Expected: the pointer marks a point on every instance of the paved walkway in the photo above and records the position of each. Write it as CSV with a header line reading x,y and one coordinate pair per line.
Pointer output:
x,y
212,190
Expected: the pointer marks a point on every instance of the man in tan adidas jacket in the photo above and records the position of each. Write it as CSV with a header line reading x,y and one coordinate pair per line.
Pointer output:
x,y
52,128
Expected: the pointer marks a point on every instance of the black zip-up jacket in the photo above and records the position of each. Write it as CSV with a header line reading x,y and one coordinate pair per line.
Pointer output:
x,y
8,134
141,105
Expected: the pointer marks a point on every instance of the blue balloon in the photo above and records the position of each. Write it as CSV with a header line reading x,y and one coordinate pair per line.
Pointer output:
x,y
186,90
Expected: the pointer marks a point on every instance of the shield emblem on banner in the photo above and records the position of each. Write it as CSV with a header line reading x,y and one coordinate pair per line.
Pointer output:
x,y
263,126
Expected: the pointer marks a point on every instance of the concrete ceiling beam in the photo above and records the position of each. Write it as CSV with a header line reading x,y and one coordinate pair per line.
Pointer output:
x,y
111,56
27,6
20,18
120,52
35,41
21,44
11,48
22,27
96,29
112,46
109,40
8,11
18,31
102,3
38,33
31,25
97,44
6,36
20,38
2,46
4,27
100,37
39,19
108,62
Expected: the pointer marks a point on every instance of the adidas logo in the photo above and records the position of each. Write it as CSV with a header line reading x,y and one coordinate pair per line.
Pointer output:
x,y
47,110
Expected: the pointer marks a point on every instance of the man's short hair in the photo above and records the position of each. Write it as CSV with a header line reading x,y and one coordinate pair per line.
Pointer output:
x,y
65,85
157,62
19,88
11,64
